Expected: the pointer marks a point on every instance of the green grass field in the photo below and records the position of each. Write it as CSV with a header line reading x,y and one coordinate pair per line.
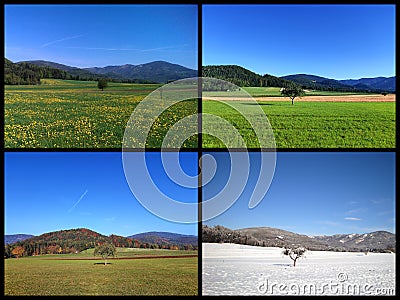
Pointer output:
x,y
62,275
76,114
315,124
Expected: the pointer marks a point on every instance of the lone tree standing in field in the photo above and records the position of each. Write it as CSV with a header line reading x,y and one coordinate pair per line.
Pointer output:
x,y
294,254
292,91
102,83
105,250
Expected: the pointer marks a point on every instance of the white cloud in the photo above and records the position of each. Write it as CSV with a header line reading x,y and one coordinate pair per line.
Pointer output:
x,y
352,219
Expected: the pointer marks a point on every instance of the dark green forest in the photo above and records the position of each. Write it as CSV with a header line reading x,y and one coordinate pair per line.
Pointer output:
x,y
25,73
242,77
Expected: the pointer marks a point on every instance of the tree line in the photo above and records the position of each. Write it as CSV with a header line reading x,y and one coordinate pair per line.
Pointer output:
x,y
77,240
243,77
25,73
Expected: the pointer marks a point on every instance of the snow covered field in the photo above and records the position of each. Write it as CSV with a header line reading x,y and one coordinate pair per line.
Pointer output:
x,y
232,269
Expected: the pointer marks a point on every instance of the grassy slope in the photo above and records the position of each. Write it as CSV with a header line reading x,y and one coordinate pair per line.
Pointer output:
x,y
77,114
159,276
317,124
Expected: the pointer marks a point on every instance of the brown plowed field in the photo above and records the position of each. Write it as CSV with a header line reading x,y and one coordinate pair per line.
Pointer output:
x,y
347,98
119,258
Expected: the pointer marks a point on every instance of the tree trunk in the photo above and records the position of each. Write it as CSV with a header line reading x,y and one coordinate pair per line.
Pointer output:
x,y
292,101
294,262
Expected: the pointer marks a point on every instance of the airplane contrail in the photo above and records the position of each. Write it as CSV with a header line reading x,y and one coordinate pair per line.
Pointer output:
x,y
63,39
79,200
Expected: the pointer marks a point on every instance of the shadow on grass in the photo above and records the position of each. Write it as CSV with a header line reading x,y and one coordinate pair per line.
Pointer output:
x,y
283,265
102,263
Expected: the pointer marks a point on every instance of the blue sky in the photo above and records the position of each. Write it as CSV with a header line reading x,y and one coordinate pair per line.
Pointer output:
x,y
334,41
53,191
101,35
316,193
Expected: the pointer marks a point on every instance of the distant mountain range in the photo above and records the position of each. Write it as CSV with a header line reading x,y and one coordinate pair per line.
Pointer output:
x,y
156,71
378,241
156,237
244,77
77,240
381,84
13,238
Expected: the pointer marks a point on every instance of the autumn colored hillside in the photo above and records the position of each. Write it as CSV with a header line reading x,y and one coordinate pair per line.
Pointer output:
x,y
77,240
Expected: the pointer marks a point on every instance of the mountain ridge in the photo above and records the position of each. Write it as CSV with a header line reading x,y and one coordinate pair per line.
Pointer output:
x,y
373,84
79,239
245,77
377,241
156,71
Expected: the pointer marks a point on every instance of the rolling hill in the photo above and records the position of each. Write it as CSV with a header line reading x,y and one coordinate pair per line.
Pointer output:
x,y
153,72
156,71
72,71
77,240
241,76
30,74
167,238
377,84
374,240
379,241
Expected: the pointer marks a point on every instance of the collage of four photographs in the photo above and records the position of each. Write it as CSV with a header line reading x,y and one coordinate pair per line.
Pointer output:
x,y
201,149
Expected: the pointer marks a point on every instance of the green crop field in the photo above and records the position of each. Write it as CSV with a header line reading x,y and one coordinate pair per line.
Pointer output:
x,y
76,114
80,274
314,124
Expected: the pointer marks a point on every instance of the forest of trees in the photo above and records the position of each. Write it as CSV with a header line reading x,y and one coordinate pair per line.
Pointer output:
x,y
242,77
77,240
25,73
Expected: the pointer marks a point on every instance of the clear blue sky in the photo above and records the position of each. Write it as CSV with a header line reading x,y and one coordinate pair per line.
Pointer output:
x,y
101,35
53,191
334,41
316,193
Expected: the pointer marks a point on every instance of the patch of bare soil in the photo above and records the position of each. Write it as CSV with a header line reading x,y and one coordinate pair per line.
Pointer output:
x,y
346,98
133,257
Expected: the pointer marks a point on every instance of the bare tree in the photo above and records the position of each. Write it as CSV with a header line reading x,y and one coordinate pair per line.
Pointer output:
x,y
294,254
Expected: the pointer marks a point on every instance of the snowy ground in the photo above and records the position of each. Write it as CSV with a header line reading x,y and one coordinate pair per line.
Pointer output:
x,y
231,269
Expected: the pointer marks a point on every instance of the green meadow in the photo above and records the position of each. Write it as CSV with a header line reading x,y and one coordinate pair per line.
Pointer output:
x,y
76,114
133,272
313,124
